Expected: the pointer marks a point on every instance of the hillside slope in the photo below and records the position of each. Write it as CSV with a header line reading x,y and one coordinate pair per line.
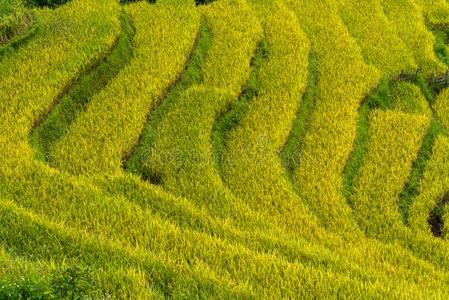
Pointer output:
x,y
226,149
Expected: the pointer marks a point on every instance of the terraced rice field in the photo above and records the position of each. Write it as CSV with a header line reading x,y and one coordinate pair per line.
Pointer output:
x,y
227,149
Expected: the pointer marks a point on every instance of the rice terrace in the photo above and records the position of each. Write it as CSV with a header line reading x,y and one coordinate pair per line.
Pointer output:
x,y
224,149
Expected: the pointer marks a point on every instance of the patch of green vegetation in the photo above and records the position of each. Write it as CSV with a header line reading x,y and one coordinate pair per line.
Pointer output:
x,y
68,283
18,41
290,154
45,3
355,161
441,42
131,1
190,76
47,133
381,98
14,20
7,7
235,113
428,92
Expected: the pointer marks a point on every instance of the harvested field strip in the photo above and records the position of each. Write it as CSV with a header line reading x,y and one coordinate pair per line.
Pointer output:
x,y
191,75
74,102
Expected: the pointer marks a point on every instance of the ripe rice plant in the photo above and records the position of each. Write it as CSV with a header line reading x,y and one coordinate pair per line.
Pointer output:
x,y
406,17
102,148
432,188
14,19
436,12
227,149
32,99
378,40
62,116
322,161
402,134
177,157
441,108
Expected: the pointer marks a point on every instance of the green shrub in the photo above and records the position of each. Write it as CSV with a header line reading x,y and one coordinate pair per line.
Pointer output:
x,y
46,3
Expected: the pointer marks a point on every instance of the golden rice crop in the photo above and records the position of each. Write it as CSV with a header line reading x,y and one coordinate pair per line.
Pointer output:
x,y
70,40
377,39
344,81
433,187
13,20
441,108
408,98
114,118
182,153
436,12
255,109
406,16
394,143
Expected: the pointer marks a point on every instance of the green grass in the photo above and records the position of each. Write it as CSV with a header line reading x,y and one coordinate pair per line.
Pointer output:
x,y
18,41
69,283
7,7
441,42
428,92
47,133
14,21
192,74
